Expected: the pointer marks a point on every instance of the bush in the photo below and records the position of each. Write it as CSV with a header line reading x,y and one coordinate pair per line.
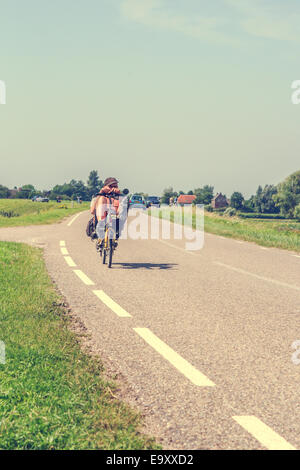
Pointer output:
x,y
297,212
259,215
230,212
209,208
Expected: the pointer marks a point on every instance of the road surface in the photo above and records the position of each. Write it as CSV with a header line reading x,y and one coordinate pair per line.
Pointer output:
x,y
201,342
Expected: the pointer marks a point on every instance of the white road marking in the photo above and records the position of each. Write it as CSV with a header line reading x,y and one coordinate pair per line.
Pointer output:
x,y
189,371
70,262
178,247
84,277
64,251
62,243
263,433
110,303
297,256
74,218
262,278
263,248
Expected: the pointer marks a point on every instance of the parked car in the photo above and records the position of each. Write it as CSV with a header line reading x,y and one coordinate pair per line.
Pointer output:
x,y
153,201
136,201
40,199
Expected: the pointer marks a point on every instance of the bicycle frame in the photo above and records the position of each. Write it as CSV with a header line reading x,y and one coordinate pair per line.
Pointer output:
x,y
110,235
109,225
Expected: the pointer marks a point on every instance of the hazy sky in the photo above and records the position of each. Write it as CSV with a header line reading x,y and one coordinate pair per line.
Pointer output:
x,y
159,93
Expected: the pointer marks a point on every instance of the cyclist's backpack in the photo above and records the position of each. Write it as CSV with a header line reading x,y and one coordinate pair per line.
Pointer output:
x,y
90,228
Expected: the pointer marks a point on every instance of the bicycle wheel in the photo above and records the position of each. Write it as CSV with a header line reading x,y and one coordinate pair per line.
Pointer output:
x,y
111,249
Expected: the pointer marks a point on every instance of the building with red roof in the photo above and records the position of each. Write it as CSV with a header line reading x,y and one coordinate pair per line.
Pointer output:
x,y
186,199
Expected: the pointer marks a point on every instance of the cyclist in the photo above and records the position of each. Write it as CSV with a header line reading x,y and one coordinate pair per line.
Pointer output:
x,y
101,205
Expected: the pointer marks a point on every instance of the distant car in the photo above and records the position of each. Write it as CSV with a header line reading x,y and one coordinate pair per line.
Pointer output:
x,y
137,202
153,201
40,199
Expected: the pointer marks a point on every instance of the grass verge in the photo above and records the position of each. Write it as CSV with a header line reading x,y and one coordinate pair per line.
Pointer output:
x,y
283,234
17,212
52,395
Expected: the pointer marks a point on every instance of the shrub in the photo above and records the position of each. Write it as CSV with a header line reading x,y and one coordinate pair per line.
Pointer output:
x,y
259,215
209,208
230,212
297,212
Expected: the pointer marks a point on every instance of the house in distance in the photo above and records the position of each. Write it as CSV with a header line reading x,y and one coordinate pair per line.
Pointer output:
x,y
186,199
219,201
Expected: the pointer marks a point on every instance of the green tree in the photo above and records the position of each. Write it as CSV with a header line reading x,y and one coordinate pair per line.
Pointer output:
x,y
268,204
27,192
257,199
288,195
167,194
4,192
249,205
237,200
79,190
263,201
94,184
62,190
204,195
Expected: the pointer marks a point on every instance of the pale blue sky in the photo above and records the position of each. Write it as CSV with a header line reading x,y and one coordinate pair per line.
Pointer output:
x,y
155,92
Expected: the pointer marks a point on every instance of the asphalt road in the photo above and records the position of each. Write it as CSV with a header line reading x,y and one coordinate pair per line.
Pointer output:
x,y
201,342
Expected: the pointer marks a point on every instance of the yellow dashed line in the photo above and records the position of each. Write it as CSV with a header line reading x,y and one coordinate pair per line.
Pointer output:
x,y
263,433
189,371
110,303
84,277
260,431
70,262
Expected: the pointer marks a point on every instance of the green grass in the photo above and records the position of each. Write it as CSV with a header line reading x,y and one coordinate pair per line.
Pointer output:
x,y
26,212
283,234
52,395
273,233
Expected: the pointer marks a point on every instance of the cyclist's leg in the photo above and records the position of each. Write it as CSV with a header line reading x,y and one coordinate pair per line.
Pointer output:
x,y
100,229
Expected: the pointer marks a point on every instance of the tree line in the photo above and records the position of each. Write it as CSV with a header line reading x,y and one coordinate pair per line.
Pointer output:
x,y
283,199
67,191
